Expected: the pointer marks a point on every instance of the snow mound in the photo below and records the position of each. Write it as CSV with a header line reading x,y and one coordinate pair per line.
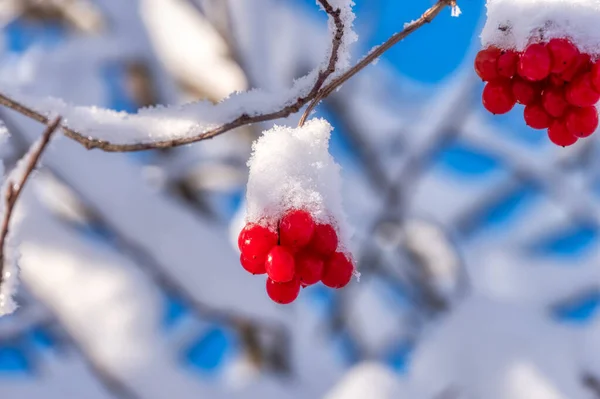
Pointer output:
x,y
291,168
515,23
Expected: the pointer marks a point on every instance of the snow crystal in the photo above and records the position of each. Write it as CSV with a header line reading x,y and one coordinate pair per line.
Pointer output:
x,y
292,169
455,12
514,23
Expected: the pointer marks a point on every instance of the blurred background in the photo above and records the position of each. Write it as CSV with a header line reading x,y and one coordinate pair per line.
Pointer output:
x,y
476,238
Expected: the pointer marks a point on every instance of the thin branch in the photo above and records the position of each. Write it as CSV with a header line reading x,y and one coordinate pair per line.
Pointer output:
x,y
14,188
314,97
409,28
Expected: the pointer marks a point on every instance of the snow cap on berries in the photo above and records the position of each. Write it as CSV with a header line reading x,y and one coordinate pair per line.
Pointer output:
x,y
513,24
291,168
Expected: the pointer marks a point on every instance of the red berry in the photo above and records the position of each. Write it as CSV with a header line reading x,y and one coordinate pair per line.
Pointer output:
x,y
556,81
253,266
525,92
486,63
596,75
559,134
507,64
296,229
280,264
582,122
536,116
309,267
256,241
562,53
553,100
338,271
581,92
498,97
283,293
535,62
324,240
581,64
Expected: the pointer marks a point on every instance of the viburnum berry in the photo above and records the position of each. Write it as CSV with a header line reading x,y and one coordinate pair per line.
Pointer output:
x,y
554,102
486,63
498,97
556,81
596,75
253,266
562,53
309,267
283,293
581,92
296,229
535,62
559,134
524,91
324,240
507,64
280,265
255,241
338,270
581,64
536,116
582,122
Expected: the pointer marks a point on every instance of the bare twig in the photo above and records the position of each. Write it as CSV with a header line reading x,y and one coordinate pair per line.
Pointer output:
x,y
314,97
14,188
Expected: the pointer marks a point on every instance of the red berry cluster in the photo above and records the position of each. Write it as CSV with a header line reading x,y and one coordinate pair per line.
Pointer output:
x,y
558,85
301,253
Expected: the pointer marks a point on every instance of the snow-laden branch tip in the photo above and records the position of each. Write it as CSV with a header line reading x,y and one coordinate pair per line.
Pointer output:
x,y
11,190
172,126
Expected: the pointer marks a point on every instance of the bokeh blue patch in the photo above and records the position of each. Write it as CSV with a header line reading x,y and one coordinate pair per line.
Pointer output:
x,y
209,351
571,242
398,357
579,310
42,338
20,35
174,310
467,161
505,210
13,360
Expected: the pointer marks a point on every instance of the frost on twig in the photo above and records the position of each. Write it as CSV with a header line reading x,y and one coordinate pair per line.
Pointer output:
x,y
11,190
166,127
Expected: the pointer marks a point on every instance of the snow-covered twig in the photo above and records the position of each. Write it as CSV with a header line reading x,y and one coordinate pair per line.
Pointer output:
x,y
409,28
15,187
312,96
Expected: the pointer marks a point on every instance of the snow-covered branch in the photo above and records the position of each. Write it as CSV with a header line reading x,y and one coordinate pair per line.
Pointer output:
x,y
12,190
166,127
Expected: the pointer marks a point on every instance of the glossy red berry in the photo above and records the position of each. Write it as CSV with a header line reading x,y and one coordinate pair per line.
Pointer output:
x,y
535,62
280,265
253,266
596,76
559,134
536,116
556,81
296,229
309,268
507,64
562,53
337,271
486,64
524,91
497,97
581,65
581,92
256,241
554,102
582,122
283,293
324,241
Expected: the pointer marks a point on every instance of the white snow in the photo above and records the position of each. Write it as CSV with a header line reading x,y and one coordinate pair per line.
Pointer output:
x,y
516,23
181,121
293,169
